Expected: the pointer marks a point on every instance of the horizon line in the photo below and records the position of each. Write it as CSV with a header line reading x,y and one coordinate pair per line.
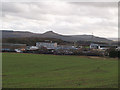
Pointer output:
x,y
53,32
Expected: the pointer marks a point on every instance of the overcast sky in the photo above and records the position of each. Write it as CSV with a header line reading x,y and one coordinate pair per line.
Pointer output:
x,y
67,18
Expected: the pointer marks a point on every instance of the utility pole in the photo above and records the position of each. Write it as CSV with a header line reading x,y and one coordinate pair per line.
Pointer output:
x,y
92,38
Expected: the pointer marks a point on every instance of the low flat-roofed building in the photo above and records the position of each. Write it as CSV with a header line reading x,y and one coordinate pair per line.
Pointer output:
x,y
32,48
65,47
12,46
94,46
101,46
47,45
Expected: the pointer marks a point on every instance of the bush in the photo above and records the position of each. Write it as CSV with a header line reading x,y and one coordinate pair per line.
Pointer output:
x,y
114,53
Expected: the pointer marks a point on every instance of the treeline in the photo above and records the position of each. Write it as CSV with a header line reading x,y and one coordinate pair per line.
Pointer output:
x,y
31,41
89,42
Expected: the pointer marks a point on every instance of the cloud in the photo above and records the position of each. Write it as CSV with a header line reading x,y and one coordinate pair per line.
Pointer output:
x,y
62,17
97,4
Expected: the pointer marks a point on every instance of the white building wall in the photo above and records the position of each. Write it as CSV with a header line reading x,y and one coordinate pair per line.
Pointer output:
x,y
47,45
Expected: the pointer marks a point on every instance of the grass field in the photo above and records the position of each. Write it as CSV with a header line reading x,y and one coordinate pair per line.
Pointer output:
x,y
50,71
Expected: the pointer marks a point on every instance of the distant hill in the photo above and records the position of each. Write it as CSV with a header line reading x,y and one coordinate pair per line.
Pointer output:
x,y
16,34
114,39
51,34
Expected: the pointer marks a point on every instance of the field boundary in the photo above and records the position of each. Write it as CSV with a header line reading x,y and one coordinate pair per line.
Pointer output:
x,y
92,57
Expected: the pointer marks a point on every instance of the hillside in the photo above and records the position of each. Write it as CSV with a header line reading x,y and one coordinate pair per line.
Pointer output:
x,y
114,39
51,34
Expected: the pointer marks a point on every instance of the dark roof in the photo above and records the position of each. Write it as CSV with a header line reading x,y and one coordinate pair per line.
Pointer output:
x,y
10,44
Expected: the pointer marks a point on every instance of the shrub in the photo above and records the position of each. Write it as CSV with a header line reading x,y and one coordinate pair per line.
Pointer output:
x,y
114,53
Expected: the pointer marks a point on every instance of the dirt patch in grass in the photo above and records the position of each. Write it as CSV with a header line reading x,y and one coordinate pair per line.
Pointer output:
x,y
94,57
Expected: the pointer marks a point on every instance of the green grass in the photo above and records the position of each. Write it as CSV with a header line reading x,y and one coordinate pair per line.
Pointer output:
x,y
50,71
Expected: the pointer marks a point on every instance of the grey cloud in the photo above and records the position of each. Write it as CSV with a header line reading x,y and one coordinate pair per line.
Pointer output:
x,y
37,10
14,7
62,17
96,4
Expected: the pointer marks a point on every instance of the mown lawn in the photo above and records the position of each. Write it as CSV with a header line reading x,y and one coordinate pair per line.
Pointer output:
x,y
50,71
